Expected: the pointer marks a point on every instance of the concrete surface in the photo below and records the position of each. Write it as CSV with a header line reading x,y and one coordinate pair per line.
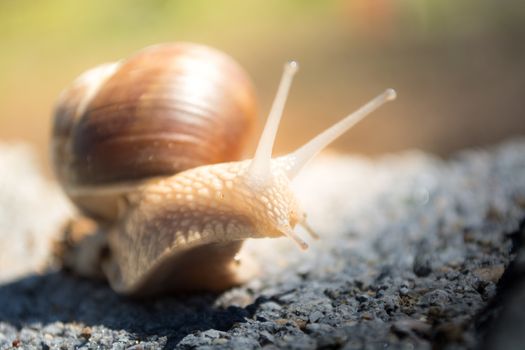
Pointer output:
x,y
412,255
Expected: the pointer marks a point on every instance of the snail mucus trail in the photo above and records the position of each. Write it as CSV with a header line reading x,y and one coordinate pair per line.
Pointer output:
x,y
183,232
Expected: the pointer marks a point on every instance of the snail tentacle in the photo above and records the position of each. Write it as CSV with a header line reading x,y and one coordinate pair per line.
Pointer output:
x,y
300,157
260,165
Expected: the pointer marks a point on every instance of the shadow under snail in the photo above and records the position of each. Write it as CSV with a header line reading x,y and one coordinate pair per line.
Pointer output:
x,y
149,148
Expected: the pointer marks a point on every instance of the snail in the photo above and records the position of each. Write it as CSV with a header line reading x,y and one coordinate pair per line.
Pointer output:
x,y
150,148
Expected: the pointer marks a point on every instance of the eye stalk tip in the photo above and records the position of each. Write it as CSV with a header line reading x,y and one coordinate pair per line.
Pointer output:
x,y
390,94
291,67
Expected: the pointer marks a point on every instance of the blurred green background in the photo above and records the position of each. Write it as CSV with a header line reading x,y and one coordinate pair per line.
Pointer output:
x,y
458,66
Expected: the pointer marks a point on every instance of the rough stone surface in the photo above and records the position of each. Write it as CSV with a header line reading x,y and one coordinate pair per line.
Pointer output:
x,y
31,209
416,252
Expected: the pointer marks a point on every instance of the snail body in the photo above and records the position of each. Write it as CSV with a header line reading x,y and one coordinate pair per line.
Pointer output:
x,y
179,225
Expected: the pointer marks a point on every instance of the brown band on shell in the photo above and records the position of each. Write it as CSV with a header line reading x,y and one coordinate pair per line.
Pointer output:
x,y
168,108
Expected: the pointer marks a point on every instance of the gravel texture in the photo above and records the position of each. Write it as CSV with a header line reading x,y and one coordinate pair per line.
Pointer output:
x,y
416,252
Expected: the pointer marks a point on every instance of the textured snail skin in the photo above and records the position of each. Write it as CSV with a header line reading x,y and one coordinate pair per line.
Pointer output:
x,y
183,232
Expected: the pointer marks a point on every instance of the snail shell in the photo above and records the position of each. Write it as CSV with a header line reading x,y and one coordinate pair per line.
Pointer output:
x,y
168,108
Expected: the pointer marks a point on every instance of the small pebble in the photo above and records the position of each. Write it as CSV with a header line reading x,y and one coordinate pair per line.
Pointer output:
x,y
404,290
315,316
362,298
491,273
